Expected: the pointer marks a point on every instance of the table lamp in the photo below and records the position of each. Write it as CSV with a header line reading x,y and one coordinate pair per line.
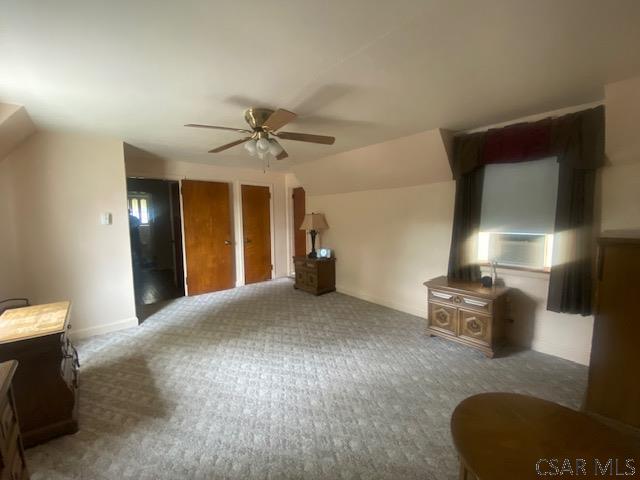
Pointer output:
x,y
313,222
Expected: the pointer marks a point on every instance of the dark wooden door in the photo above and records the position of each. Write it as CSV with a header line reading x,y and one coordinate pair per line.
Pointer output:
x,y
300,236
256,225
207,236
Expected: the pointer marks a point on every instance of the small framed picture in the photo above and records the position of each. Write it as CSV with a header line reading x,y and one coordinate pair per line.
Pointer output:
x,y
324,253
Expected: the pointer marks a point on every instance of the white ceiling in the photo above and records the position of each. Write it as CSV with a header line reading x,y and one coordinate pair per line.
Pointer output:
x,y
361,70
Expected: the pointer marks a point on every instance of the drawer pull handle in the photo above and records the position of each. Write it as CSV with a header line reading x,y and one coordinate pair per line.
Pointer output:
x,y
446,296
477,303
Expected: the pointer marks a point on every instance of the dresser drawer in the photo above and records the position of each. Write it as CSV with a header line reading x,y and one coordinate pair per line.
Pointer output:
x,y
461,300
474,327
443,318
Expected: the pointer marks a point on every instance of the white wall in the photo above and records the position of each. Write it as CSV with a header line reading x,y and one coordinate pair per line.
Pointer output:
x,y
140,165
388,242
621,197
11,275
60,183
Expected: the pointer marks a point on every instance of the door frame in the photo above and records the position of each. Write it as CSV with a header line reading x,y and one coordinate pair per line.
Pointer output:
x,y
169,178
239,228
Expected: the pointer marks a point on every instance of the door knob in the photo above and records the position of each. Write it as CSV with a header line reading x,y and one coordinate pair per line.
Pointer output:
x,y
227,242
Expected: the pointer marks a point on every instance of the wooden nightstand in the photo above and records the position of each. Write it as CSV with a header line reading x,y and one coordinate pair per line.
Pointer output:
x,y
315,275
467,313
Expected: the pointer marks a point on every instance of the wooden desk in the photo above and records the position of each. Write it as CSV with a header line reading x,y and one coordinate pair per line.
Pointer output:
x,y
46,381
505,436
467,313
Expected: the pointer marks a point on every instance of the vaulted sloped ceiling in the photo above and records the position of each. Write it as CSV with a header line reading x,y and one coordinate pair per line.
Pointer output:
x,y
407,161
363,71
15,126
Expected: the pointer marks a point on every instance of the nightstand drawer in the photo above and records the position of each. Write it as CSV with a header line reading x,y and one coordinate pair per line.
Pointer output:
x,y
461,300
474,327
443,318
312,279
306,264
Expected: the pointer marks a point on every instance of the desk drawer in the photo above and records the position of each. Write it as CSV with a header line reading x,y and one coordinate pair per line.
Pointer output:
x,y
461,300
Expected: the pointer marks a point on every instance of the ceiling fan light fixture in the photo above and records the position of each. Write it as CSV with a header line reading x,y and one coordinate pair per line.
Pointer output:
x,y
250,147
274,148
262,145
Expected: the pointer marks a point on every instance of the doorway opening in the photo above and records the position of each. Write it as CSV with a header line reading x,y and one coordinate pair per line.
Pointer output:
x,y
155,230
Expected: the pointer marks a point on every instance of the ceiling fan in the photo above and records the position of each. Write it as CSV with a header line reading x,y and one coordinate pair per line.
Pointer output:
x,y
261,139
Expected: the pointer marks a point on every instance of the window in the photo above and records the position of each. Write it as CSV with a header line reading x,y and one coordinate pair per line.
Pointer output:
x,y
138,208
518,214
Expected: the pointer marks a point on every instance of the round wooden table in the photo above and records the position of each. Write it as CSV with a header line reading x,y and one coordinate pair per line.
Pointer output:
x,y
506,436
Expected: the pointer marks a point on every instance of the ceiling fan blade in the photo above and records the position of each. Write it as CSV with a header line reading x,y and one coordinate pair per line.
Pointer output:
x,y
306,137
229,145
196,125
278,119
282,155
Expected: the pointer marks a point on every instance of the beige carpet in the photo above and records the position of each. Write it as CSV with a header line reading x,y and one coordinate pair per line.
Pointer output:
x,y
265,382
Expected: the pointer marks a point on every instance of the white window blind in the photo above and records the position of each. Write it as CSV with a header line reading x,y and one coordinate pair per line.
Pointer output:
x,y
518,214
520,197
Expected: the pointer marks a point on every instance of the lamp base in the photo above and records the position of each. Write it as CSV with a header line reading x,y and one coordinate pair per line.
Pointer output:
x,y
313,253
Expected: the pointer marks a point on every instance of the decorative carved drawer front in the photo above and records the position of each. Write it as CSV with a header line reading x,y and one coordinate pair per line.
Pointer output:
x,y
312,279
475,327
443,318
445,297
476,303
460,300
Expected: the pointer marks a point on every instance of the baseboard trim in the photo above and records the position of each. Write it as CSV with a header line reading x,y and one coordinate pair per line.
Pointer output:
x,y
384,302
81,333
566,352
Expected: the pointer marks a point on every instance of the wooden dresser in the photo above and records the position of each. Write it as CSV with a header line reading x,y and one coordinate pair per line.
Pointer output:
x,y
46,381
13,464
614,390
315,275
466,313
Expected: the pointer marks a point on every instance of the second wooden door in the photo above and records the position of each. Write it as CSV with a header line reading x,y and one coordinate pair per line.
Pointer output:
x,y
256,226
207,233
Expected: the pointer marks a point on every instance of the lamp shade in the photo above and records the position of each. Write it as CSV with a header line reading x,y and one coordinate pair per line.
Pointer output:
x,y
314,221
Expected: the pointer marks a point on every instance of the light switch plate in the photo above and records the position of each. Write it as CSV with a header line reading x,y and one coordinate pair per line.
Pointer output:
x,y
105,218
